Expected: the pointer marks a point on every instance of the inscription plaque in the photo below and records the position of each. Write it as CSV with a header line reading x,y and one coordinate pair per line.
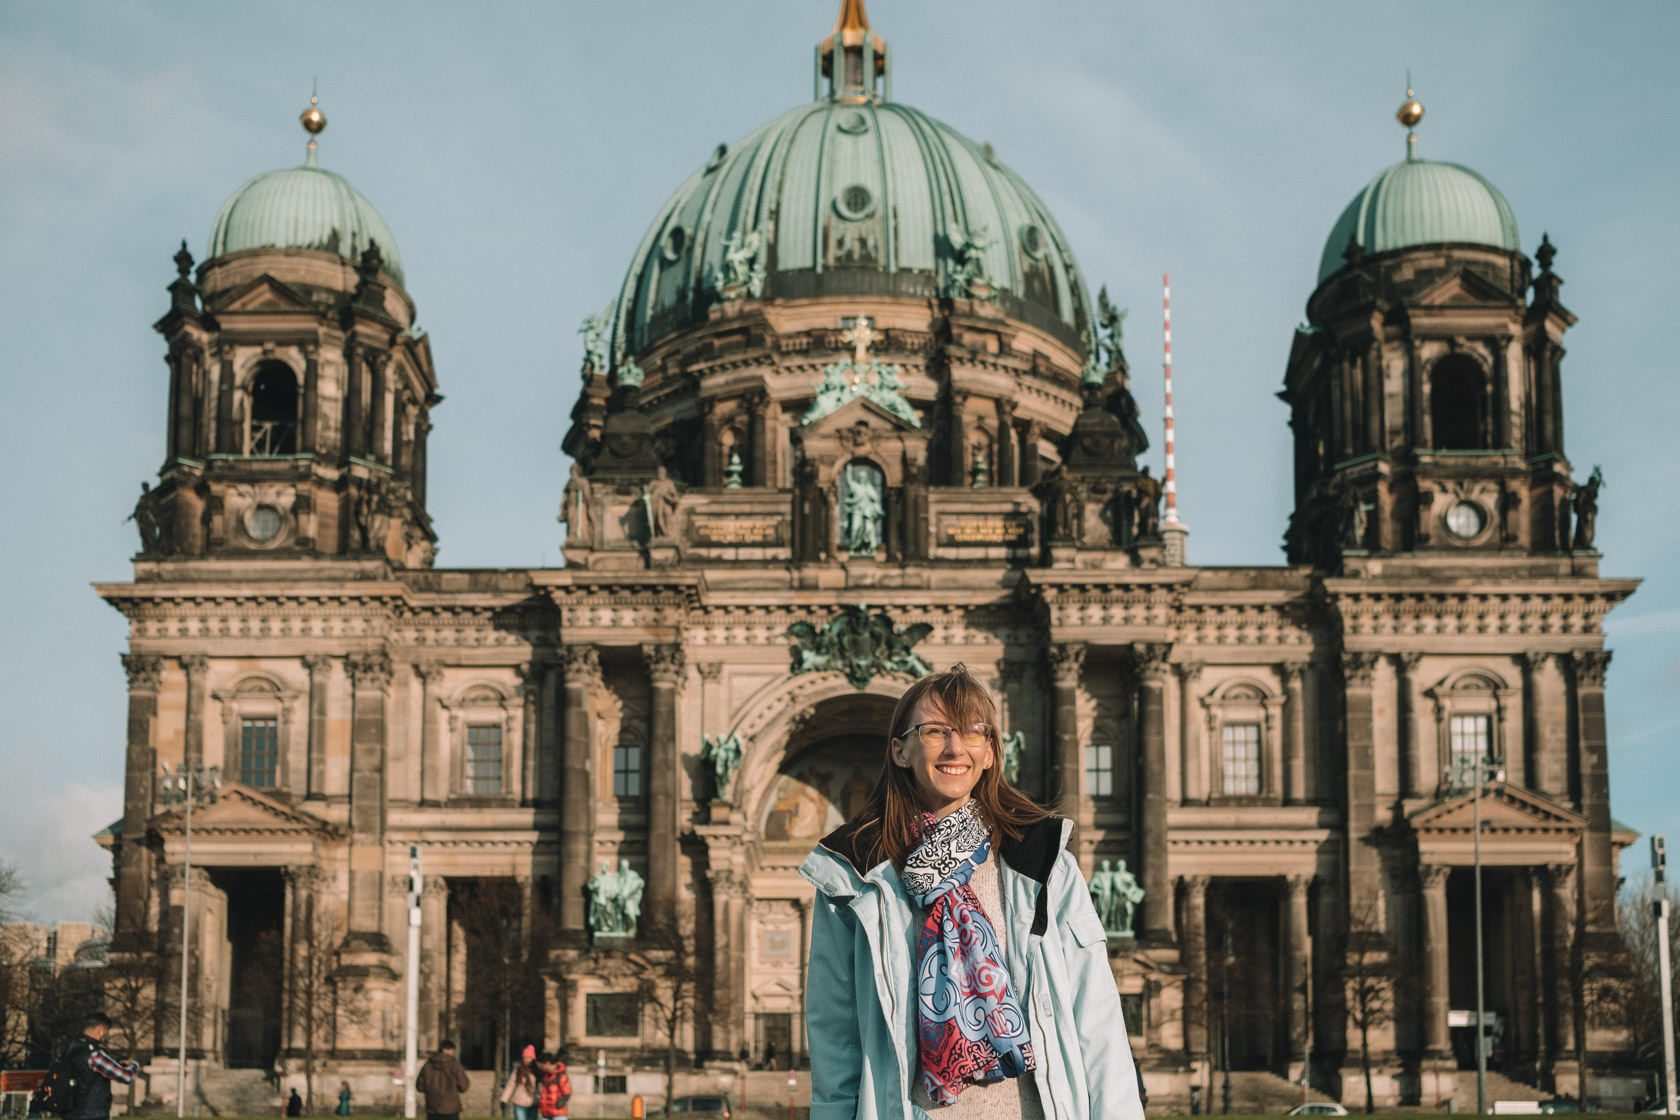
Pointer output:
x,y
1009,530
737,531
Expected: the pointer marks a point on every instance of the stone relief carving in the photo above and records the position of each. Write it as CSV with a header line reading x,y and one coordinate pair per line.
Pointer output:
x,y
860,645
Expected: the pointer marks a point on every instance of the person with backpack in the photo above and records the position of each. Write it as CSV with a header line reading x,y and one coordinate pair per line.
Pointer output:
x,y
78,1086
442,1080
554,1089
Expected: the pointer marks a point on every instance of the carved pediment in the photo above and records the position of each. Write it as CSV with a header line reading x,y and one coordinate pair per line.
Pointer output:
x,y
1505,809
1464,288
265,293
241,809
844,420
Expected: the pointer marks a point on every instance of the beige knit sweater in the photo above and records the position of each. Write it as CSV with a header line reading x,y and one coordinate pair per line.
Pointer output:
x,y
1011,1098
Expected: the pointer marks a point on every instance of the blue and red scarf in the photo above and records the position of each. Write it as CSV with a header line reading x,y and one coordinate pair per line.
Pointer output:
x,y
970,1028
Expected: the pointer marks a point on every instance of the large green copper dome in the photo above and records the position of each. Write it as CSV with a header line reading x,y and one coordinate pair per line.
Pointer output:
x,y
851,197
303,208
1420,202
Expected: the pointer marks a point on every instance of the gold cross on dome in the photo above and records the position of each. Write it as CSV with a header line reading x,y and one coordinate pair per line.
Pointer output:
x,y
859,333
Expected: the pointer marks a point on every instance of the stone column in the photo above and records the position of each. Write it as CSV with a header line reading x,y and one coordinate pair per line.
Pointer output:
x,y
548,738
1436,1038
582,665
227,441
354,422
378,408
1598,869
134,865
370,680
1419,767
320,677
1548,723
729,954
1561,920
1294,734
1299,963
1194,940
530,693
711,468
1006,469
434,776
758,438
1066,661
1193,757
1152,740
957,436
665,671
309,424
1029,453
434,955
1534,916
197,667
1364,867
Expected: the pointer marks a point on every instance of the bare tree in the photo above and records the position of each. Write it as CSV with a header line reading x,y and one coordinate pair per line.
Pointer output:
x,y
138,996
314,1011
507,945
1368,975
670,984
1642,994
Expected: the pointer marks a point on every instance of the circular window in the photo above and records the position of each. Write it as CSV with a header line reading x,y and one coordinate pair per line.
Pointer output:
x,y
264,523
1033,241
855,201
854,122
1465,520
675,242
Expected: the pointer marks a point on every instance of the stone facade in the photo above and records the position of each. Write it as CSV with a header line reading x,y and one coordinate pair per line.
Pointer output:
x,y
1270,749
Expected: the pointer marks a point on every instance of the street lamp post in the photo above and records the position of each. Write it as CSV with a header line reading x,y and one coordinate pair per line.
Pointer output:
x,y
1479,769
186,786
1659,876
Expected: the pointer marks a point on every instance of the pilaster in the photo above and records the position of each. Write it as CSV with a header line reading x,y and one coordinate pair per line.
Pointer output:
x,y
665,666
582,668
1151,661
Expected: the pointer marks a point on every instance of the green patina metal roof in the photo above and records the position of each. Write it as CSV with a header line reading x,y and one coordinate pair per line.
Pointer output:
x,y
928,194
1420,202
303,208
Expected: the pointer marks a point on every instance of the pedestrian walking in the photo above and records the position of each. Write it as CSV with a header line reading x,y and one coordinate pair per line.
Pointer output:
x,y
93,1069
343,1108
294,1104
953,893
442,1081
554,1089
521,1088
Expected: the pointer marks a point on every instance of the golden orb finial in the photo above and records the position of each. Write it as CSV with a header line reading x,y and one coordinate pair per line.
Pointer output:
x,y
312,118
1411,111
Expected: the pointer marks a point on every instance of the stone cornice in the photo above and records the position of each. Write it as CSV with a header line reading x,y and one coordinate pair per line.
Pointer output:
x,y
1572,608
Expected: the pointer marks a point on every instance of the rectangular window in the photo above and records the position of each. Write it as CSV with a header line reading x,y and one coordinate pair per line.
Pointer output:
x,y
1469,741
1131,1010
484,758
611,1015
1099,771
1239,762
614,1084
627,770
259,752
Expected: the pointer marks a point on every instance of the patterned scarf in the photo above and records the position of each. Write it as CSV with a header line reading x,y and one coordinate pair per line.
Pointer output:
x,y
969,1025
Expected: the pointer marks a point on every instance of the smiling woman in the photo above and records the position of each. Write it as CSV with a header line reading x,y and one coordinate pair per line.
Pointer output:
x,y
1016,1008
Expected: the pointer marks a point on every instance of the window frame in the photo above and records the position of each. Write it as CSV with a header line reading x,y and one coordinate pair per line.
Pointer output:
x,y
247,722
1243,700
468,778
1088,769
258,696
1472,691
1226,728
477,703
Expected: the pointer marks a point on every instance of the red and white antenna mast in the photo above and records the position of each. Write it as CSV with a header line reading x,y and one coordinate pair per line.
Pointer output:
x,y
1173,531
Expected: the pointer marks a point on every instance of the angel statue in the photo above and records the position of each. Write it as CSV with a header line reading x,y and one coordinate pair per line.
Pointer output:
x,y
741,268
724,754
594,332
1111,324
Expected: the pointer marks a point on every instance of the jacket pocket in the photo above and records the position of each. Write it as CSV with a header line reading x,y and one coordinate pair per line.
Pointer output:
x,y
1087,930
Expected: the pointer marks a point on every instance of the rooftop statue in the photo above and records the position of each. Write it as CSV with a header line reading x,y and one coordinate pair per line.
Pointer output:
x,y
743,266
594,331
860,645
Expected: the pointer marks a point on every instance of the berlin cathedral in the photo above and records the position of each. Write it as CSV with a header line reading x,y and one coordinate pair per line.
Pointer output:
x,y
856,414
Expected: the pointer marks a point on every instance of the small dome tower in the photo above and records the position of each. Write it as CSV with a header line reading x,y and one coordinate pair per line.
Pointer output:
x,y
1425,395
300,388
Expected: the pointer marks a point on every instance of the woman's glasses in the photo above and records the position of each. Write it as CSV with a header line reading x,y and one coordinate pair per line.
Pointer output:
x,y
935,736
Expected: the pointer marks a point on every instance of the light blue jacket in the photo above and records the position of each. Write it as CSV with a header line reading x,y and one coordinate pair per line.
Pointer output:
x,y
861,1016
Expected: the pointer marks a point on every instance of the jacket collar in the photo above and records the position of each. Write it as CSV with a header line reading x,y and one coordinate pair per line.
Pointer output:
x,y
1033,855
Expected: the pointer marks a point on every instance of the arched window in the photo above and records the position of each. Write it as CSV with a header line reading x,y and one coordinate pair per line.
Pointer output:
x,y
1458,404
274,410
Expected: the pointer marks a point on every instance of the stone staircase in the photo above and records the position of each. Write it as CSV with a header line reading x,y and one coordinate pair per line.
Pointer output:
x,y
1255,1091
233,1092
1499,1088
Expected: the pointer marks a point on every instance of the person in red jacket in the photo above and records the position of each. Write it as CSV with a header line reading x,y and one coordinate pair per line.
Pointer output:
x,y
554,1088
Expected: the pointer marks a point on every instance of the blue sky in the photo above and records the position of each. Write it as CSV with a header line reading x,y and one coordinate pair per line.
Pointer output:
x,y
518,152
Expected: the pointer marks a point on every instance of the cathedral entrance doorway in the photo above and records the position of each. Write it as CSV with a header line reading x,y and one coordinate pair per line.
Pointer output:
x,y
1497,934
256,907
1247,1013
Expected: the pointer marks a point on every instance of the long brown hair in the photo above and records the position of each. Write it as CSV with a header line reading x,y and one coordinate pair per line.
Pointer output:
x,y
887,824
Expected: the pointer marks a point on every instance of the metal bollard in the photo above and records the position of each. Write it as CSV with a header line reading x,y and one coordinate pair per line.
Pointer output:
x,y
637,1109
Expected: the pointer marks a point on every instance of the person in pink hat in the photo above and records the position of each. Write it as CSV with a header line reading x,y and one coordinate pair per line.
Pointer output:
x,y
521,1088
